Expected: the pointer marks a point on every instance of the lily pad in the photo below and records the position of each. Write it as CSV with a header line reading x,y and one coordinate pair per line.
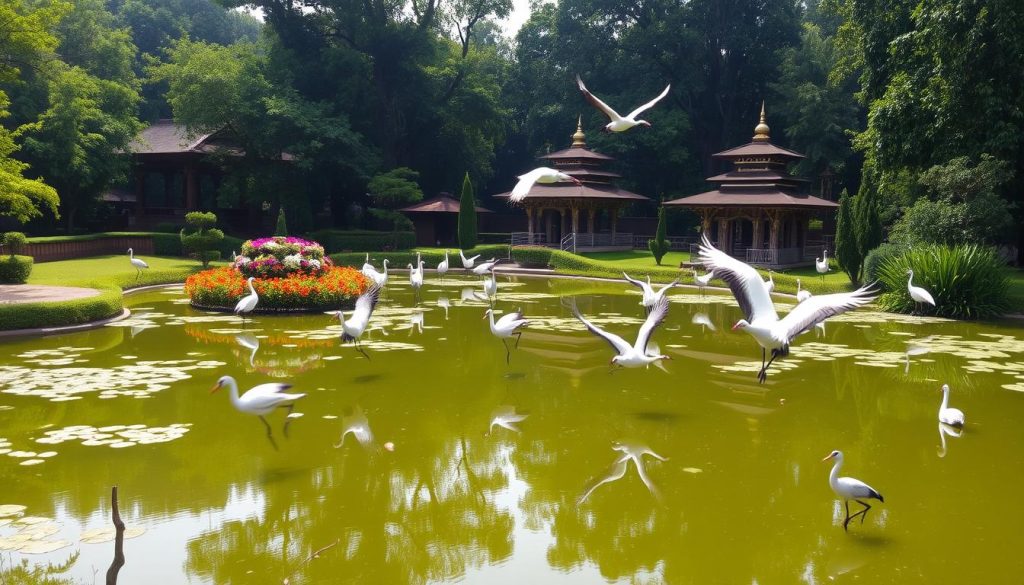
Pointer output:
x,y
43,546
108,533
11,510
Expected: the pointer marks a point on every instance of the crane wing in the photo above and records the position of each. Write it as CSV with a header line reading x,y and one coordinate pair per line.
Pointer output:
x,y
816,309
597,103
525,183
654,318
619,344
744,282
650,104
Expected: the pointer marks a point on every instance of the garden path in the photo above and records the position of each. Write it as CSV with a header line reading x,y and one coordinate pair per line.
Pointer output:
x,y
34,293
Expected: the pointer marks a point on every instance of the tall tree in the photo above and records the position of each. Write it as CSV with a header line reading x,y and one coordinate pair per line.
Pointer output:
x,y
847,250
467,216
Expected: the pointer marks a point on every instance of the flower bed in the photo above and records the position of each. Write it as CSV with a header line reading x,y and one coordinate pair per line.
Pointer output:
x,y
330,287
280,257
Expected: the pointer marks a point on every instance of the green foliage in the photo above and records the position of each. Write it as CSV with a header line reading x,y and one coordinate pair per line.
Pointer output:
x,y
532,256
392,190
61,313
363,240
14,241
962,205
201,238
848,254
167,227
873,261
868,223
281,228
967,282
15,269
26,573
660,245
467,215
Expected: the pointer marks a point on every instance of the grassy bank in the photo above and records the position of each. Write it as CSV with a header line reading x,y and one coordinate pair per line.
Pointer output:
x,y
108,274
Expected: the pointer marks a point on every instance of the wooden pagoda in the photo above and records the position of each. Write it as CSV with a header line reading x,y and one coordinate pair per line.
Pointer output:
x,y
759,212
586,215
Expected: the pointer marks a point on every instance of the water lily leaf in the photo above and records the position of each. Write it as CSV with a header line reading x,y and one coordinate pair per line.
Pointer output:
x,y
43,546
108,533
11,510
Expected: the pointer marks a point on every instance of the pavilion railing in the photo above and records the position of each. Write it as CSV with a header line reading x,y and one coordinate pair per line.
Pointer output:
x,y
528,239
603,240
568,243
675,242
776,257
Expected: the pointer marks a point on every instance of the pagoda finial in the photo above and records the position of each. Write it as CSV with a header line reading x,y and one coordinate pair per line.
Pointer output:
x,y
761,130
579,138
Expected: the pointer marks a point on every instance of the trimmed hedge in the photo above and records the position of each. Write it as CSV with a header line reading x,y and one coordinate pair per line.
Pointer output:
x,y
15,269
431,257
62,313
875,258
164,244
335,241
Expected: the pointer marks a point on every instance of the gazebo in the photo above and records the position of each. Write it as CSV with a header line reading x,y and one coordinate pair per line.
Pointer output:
x,y
567,215
436,220
758,212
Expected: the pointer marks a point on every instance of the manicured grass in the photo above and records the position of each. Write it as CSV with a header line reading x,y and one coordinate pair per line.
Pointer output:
x,y
108,274
1017,290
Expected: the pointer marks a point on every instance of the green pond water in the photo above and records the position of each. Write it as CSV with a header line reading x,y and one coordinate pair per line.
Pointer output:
x,y
434,493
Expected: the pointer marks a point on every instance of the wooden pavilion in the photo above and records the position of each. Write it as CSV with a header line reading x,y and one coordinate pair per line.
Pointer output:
x,y
759,212
436,220
577,217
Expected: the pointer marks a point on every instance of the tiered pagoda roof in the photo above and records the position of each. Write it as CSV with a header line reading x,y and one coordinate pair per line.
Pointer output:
x,y
586,165
443,203
758,179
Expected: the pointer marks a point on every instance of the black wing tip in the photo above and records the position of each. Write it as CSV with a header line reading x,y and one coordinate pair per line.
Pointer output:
x,y
345,337
878,496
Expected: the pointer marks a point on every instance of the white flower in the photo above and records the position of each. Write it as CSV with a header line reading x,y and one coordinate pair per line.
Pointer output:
x,y
293,261
315,264
243,260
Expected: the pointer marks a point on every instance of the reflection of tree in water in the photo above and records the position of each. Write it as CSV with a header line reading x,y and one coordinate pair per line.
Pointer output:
x,y
423,513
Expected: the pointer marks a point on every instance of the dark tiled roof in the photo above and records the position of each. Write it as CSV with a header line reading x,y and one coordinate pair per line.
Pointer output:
x,y
757,149
752,198
760,176
572,191
166,137
574,152
439,204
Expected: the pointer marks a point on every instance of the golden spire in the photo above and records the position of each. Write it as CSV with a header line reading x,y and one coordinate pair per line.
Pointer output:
x,y
761,130
579,138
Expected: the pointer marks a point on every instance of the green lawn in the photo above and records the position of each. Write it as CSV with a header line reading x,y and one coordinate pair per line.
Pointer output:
x,y
103,271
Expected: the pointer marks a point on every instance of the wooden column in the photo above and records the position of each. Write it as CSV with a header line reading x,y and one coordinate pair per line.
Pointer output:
x,y
191,188
575,220
773,239
591,217
529,223
724,236
615,221
705,222
549,229
758,240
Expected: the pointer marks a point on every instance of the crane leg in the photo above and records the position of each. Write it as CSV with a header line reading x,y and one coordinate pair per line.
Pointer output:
x,y
270,433
360,349
519,335
764,371
287,420
508,355
863,513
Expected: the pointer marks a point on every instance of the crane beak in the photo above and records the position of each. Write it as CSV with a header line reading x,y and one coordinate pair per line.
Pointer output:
x,y
215,388
735,327
829,457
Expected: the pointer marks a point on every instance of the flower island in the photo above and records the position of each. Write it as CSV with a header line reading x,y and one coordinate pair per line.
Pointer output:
x,y
289,275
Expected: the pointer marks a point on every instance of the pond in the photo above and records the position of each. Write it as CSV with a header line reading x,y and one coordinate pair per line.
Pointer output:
x,y
425,489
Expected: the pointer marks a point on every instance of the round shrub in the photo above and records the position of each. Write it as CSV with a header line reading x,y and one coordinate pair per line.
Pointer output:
x,y
873,261
281,256
15,269
14,242
967,282
331,288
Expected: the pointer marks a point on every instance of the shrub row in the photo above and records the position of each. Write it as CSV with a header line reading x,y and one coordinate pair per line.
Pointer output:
x,y
15,269
62,313
366,240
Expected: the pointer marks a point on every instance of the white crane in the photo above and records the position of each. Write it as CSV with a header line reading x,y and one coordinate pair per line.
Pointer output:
x,y
416,275
442,266
507,326
917,293
761,321
703,281
635,355
801,294
260,400
491,285
953,417
250,342
247,303
822,265
353,327
849,488
703,320
467,263
357,425
379,278
770,283
138,263
620,123
543,175
485,267
650,296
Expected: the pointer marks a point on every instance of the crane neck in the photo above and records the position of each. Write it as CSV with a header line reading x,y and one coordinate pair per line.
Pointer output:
x,y
910,281
233,392
833,477
251,288
945,399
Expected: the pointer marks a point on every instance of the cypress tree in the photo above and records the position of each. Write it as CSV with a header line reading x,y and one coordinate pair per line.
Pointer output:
x,y
282,225
467,216
660,245
847,252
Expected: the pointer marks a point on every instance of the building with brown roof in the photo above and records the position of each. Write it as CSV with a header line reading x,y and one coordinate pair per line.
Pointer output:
x,y
566,212
758,211
436,220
